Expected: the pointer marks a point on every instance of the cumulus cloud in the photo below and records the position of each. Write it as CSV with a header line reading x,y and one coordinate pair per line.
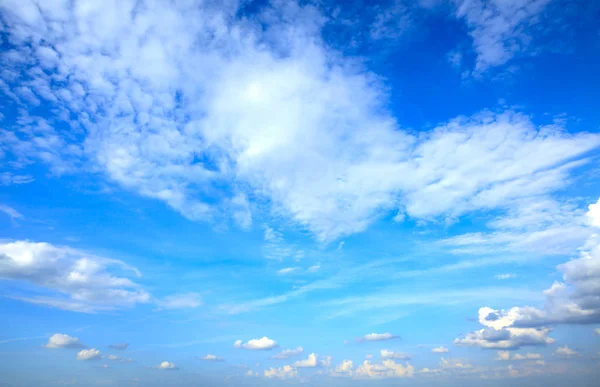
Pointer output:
x,y
197,129
574,301
309,362
345,366
263,343
210,357
385,354
287,353
165,365
60,340
378,337
505,355
500,334
180,301
79,281
440,350
88,354
565,351
285,372
385,369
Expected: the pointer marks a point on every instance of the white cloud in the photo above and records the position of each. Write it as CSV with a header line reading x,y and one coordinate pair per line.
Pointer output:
x,y
309,362
573,301
180,301
119,359
440,350
501,334
385,354
593,214
314,268
210,357
88,354
263,343
285,372
10,212
505,276
60,340
287,353
165,365
345,366
197,129
378,336
565,351
287,270
505,355
81,281
385,369
527,356
500,29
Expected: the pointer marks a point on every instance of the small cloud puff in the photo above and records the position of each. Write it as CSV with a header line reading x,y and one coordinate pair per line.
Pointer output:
x,y
165,365
60,340
210,357
263,343
565,352
88,354
378,336
440,350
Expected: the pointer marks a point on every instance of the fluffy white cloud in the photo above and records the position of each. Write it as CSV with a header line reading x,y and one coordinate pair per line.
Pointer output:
x,y
378,336
500,334
81,282
88,354
593,214
499,29
285,372
180,301
440,350
287,353
385,369
385,354
165,365
574,301
345,366
565,351
505,355
60,340
210,357
309,362
263,343
232,112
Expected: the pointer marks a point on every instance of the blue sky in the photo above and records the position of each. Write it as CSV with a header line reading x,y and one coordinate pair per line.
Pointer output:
x,y
322,193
